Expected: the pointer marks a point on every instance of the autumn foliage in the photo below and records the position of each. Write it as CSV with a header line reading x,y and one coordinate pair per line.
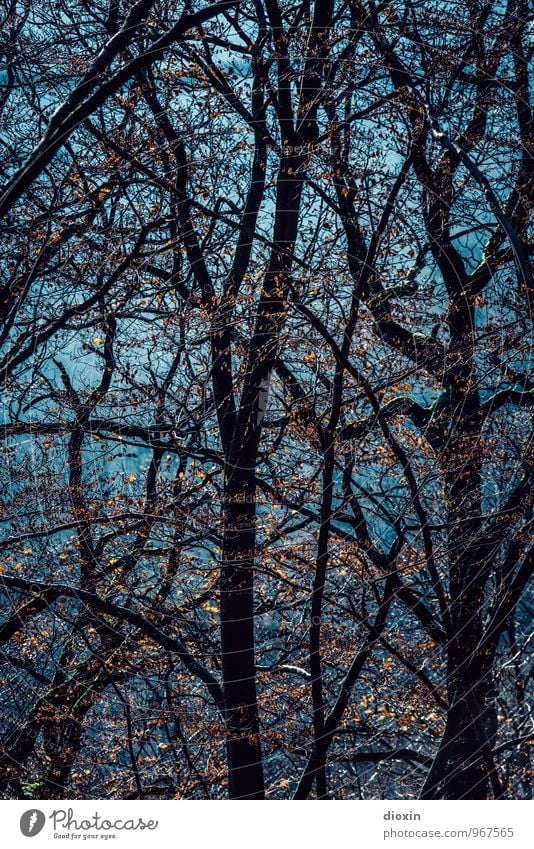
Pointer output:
x,y
267,402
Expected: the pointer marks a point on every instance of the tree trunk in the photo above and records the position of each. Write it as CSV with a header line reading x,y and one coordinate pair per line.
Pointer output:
x,y
245,770
464,766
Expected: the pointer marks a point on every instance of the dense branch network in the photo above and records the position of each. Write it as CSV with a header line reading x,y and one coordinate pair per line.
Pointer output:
x,y
267,425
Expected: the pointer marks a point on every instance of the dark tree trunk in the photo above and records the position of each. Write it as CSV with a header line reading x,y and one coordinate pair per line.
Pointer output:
x,y
245,767
463,767
245,771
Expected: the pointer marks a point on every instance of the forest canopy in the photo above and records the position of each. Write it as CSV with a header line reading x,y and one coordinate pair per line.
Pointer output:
x,y
266,334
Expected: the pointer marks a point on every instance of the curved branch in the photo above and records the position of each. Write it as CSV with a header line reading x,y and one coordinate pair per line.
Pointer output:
x,y
125,614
